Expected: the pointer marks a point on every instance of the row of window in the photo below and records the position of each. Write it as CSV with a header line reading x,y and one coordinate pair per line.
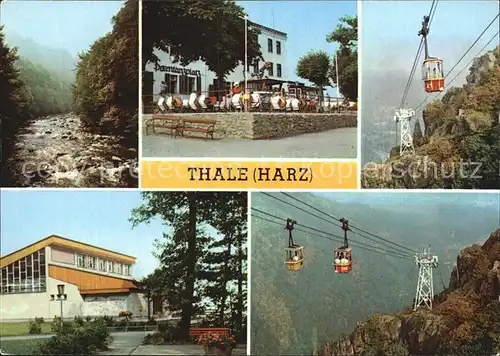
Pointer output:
x,y
270,46
26,275
99,264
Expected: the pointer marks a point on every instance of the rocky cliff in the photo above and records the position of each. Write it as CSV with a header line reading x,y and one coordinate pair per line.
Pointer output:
x,y
465,319
459,145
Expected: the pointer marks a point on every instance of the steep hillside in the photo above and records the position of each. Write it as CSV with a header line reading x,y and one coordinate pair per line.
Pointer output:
x,y
465,319
459,145
293,313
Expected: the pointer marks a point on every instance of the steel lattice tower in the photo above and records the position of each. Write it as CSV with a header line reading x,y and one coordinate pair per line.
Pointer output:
x,y
406,141
425,286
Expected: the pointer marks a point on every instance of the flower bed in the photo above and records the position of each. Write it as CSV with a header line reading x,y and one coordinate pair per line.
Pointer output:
x,y
216,344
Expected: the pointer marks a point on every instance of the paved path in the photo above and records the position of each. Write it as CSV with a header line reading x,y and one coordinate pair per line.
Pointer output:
x,y
129,343
26,337
338,143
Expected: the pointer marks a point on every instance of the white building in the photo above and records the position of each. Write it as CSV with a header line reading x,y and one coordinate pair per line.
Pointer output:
x,y
197,77
96,281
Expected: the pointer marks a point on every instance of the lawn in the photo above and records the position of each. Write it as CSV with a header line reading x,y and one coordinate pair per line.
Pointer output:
x,y
21,328
20,347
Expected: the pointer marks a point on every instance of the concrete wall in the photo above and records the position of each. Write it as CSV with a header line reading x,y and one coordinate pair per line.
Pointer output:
x,y
24,306
30,305
259,126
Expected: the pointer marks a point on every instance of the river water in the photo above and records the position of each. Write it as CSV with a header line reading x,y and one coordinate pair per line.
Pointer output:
x,y
55,151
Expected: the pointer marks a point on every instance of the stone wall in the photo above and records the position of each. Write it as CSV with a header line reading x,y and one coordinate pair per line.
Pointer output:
x,y
258,126
268,125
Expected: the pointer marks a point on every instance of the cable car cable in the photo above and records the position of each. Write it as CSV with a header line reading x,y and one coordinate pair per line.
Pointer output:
x,y
407,255
472,45
432,11
352,227
465,67
356,244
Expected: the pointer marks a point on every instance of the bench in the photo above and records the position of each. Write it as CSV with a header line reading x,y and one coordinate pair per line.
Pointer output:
x,y
197,332
171,123
187,126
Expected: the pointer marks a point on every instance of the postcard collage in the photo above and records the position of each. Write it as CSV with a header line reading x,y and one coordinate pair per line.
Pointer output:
x,y
221,177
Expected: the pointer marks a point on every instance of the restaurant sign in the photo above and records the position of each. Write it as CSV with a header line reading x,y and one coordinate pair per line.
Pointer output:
x,y
185,71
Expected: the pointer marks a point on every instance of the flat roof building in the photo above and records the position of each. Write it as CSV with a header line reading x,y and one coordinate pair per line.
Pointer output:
x,y
97,281
196,77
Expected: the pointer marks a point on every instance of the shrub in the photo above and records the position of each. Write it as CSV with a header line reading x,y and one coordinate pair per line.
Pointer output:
x,y
58,326
79,321
88,318
86,340
167,334
36,326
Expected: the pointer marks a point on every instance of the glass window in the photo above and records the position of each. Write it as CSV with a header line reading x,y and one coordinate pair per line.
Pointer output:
x,y
171,80
270,45
25,275
79,260
88,262
125,270
191,84
270,70
256,66
278,47
118,268
102,265
278,70
110,266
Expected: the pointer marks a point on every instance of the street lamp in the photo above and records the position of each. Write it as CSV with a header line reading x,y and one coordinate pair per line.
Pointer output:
x,y
246,61
60,297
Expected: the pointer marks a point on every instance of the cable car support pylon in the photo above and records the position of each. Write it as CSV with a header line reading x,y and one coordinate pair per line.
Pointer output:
x,y
425,285
404,116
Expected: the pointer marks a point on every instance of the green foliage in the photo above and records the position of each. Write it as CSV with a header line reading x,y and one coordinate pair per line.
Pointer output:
x,y
168,334
314,66
82,340
47,93
484,150
190,268
78,321
216,33
346,35
14,107
36,325
105,94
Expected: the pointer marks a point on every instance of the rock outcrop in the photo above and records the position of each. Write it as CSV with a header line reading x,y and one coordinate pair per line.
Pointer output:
x,y
465,319
461,128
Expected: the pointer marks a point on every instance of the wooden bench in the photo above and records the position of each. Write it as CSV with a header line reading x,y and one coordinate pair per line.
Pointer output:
x,y
171,123
187,126
197,332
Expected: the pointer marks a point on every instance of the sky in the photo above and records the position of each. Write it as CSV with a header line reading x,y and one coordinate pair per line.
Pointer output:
x,y
389,35
416,198
98,218
307,23
70,25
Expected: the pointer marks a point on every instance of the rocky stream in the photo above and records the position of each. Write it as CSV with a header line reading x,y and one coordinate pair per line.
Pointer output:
x,y
55,151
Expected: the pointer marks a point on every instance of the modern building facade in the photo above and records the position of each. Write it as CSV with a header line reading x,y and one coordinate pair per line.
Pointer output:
x,y
97,281
196,77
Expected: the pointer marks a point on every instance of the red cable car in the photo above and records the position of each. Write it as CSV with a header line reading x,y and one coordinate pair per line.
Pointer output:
x,y
343,255
294,253
432,68
343,260
433,75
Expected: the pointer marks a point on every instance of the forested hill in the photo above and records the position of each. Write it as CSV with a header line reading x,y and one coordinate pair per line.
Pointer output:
x,y
294,313
47,73
465,319
55,60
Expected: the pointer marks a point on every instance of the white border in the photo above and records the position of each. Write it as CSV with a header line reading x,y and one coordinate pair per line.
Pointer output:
x,y
249,271
139,114
360,91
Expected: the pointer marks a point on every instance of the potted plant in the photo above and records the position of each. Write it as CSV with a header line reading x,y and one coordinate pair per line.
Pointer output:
x,y
216,344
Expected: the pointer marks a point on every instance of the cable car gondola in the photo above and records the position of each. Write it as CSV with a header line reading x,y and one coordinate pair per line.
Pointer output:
x,y
432,68
343,255
294,253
